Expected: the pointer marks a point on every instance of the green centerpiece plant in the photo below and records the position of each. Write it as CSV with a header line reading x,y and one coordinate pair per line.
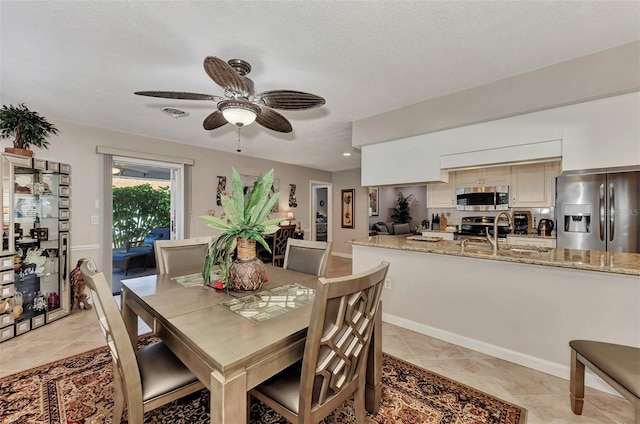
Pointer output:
x,y
245,222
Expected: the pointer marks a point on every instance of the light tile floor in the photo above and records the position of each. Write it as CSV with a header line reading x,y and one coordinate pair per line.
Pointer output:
x,y
545,397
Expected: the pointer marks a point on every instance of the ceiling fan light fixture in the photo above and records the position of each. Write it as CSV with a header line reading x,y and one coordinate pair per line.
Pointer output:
x,y
238,113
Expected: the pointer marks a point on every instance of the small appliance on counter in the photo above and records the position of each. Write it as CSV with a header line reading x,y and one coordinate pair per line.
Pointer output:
x,y
522,222
478,226
545,227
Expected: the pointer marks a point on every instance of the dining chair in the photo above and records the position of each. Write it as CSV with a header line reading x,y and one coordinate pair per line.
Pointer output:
x,y
278,245
307,256
145,379
333,366
179,256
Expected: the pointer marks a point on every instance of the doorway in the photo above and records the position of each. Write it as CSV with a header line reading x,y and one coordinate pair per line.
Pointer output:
x,y
321,208
147,203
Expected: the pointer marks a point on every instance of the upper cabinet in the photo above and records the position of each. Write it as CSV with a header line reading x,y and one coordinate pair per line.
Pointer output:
x,y
534,185
442,195
494,176
530,185
602,133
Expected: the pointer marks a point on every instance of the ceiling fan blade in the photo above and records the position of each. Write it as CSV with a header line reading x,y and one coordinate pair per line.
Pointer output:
x,y
224,75
290,99
271,119
213,121
178,95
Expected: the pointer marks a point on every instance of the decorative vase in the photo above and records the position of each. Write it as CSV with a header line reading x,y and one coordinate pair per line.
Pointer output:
x,y
247,271
20,152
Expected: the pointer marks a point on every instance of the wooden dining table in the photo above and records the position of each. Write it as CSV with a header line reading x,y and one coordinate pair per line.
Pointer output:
x,y
228,352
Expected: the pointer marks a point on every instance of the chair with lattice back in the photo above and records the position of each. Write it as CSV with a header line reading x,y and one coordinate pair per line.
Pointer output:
x,y
145,379
278,245
334,362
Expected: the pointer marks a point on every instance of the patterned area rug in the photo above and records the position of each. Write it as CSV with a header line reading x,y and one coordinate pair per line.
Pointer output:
x,y
79,389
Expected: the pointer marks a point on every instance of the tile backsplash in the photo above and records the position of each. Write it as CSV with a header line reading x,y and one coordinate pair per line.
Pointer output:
x,y
454,216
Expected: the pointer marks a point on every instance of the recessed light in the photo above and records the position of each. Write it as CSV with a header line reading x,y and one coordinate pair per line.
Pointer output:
x,y
346,154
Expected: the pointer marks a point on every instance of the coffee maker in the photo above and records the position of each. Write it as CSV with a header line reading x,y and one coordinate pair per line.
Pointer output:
x,y
521,222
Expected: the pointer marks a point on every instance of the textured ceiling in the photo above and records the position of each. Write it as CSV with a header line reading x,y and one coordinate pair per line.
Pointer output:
x,y
81,61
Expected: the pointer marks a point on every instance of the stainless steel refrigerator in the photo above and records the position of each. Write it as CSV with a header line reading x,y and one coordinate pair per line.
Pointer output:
x,y
599,212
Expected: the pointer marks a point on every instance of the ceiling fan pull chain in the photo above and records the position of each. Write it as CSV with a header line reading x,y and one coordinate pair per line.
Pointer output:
x,y
238,149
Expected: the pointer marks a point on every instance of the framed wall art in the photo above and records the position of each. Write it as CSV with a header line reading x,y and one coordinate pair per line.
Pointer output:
x,y
222,185
248,181
374,204
348,208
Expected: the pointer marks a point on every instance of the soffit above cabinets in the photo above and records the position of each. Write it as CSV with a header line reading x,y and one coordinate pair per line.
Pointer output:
x,y
509,155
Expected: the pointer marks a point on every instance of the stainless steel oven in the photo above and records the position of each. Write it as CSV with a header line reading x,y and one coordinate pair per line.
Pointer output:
x,y
482,198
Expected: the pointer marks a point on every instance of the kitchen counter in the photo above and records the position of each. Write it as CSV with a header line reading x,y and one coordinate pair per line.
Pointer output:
x,y
538,236
520,306
590,260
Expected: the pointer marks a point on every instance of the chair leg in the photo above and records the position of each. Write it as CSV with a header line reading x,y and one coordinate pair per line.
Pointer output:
x,y
576,384
636,409
118,397
358,400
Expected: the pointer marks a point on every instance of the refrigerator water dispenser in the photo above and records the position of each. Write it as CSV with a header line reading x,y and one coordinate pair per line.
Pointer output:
x,y
577,218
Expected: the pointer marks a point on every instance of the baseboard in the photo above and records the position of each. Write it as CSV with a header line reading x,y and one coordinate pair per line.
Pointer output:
x,y
558,370
342,255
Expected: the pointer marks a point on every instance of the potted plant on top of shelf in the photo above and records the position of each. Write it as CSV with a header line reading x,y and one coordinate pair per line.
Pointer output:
x,y
245,222
29,129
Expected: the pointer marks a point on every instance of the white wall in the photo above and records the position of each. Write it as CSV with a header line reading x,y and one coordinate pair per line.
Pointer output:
x,y
76,145
603,74
341,181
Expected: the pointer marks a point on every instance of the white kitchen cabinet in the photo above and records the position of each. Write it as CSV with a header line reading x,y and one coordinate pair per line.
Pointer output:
x,y
531,241
603,133
534,185
492,176
442,195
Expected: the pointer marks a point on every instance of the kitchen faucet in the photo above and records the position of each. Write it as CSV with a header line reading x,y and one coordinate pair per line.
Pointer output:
x,y
494,240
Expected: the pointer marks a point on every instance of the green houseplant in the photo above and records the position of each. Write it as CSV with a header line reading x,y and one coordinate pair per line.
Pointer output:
x,y
400,214
27,127
245,221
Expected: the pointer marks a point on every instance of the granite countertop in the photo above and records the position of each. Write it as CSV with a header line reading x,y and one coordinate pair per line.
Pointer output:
x,y
551,237
590,260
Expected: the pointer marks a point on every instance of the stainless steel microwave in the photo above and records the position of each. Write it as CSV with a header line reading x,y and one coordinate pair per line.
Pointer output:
x,y
482,198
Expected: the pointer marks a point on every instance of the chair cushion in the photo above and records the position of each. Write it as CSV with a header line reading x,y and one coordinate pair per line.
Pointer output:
x,y
120,255
304,259
161,371
284,387
149,239
161,233
401,229
380,227
620,363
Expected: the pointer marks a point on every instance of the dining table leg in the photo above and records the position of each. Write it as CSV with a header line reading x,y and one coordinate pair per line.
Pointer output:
x,y
229,398
130,318
373,387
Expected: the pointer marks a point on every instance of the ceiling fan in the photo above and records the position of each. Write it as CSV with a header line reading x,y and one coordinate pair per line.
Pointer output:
x,y
240,105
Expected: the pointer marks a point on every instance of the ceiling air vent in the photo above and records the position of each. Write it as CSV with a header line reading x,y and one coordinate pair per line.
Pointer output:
x,y
176,113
